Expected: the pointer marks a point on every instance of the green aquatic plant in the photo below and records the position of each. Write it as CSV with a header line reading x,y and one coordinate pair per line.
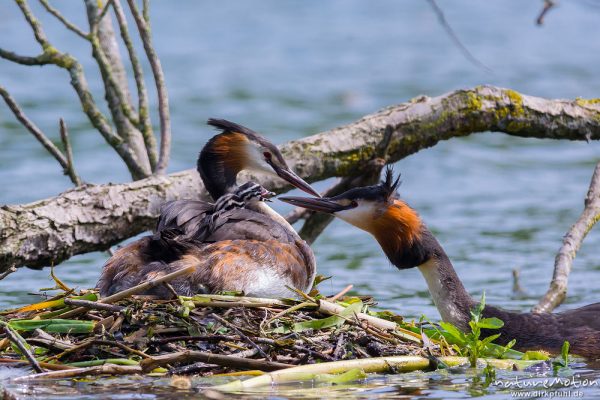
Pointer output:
x,y
469,344
560,364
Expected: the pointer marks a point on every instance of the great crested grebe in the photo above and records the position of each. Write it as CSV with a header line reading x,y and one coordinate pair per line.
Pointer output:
x,y
407,243
254,250
173,243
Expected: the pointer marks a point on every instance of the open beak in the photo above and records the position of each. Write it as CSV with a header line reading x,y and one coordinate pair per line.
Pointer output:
x,y
295,180
266,195
322,204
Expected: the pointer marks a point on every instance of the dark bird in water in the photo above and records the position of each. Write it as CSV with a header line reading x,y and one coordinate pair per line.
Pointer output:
x,y
408,243
247,248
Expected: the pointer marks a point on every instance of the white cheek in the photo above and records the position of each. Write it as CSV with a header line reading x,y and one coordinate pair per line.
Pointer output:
x,y
256,160
360,216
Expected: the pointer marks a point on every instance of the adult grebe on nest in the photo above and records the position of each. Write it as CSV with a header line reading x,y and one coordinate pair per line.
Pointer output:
x,y
253,250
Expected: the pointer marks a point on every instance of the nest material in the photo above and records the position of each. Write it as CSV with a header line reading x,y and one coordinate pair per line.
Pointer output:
x,y
203,335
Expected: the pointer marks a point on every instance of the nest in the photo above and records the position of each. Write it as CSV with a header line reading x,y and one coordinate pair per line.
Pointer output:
x,y
204,334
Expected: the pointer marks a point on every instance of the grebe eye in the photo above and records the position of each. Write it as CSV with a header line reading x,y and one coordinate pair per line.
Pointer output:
x,y
354,203
267,155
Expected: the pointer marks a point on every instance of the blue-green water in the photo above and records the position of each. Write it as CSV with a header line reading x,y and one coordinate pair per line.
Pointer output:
x,y
292,69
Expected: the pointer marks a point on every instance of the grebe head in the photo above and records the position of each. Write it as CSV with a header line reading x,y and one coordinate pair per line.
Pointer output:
x,y
252,192
247,195
376,209
237,148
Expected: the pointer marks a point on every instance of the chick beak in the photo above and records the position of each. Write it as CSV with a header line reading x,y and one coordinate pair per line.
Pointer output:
x,y
295,180
266,195
323,204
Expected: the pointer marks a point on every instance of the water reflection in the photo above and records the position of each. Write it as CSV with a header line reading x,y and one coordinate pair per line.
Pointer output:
x,y
455,383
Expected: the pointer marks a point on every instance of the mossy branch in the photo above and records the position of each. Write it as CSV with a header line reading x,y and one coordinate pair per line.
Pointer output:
x,y
51,55
93,218
132,151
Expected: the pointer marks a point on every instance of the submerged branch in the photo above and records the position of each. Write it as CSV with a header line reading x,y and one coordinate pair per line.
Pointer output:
x,y
92,218
571,244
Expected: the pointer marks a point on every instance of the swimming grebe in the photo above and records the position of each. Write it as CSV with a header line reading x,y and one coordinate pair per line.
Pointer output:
x,y
407,243
254,251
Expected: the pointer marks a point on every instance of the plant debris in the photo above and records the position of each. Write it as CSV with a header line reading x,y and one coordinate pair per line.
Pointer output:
x,y
203,334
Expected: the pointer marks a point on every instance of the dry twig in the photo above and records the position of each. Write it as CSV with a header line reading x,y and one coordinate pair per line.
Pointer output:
x,y
219,359
70,170
36,132
106,369
442,18
241,335
14,338
548,4
133,290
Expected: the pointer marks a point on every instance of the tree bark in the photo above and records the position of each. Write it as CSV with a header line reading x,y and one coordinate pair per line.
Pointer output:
x,y
93,218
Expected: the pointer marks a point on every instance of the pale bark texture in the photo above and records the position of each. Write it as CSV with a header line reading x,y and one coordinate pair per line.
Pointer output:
x,y
93,218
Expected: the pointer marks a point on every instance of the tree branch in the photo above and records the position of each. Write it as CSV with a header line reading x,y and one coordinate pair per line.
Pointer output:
x,y
70,170
548,4
39,34
454,37
105,65
144,115
104,10
571,244
105,50
161,89
41,59
317,222
92,218
68,24
51,55
35,131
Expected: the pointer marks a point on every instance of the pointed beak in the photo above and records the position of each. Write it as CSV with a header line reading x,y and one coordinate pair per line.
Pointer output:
x,y
322,205
266,195
295,180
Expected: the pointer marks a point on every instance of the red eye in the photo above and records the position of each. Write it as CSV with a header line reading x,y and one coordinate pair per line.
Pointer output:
x,y
267,155
354,203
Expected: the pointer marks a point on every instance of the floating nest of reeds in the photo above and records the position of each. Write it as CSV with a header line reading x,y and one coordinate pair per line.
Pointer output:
x,y
78,333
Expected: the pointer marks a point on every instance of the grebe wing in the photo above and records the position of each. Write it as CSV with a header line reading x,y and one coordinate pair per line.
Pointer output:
x,y
247,224
185,215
